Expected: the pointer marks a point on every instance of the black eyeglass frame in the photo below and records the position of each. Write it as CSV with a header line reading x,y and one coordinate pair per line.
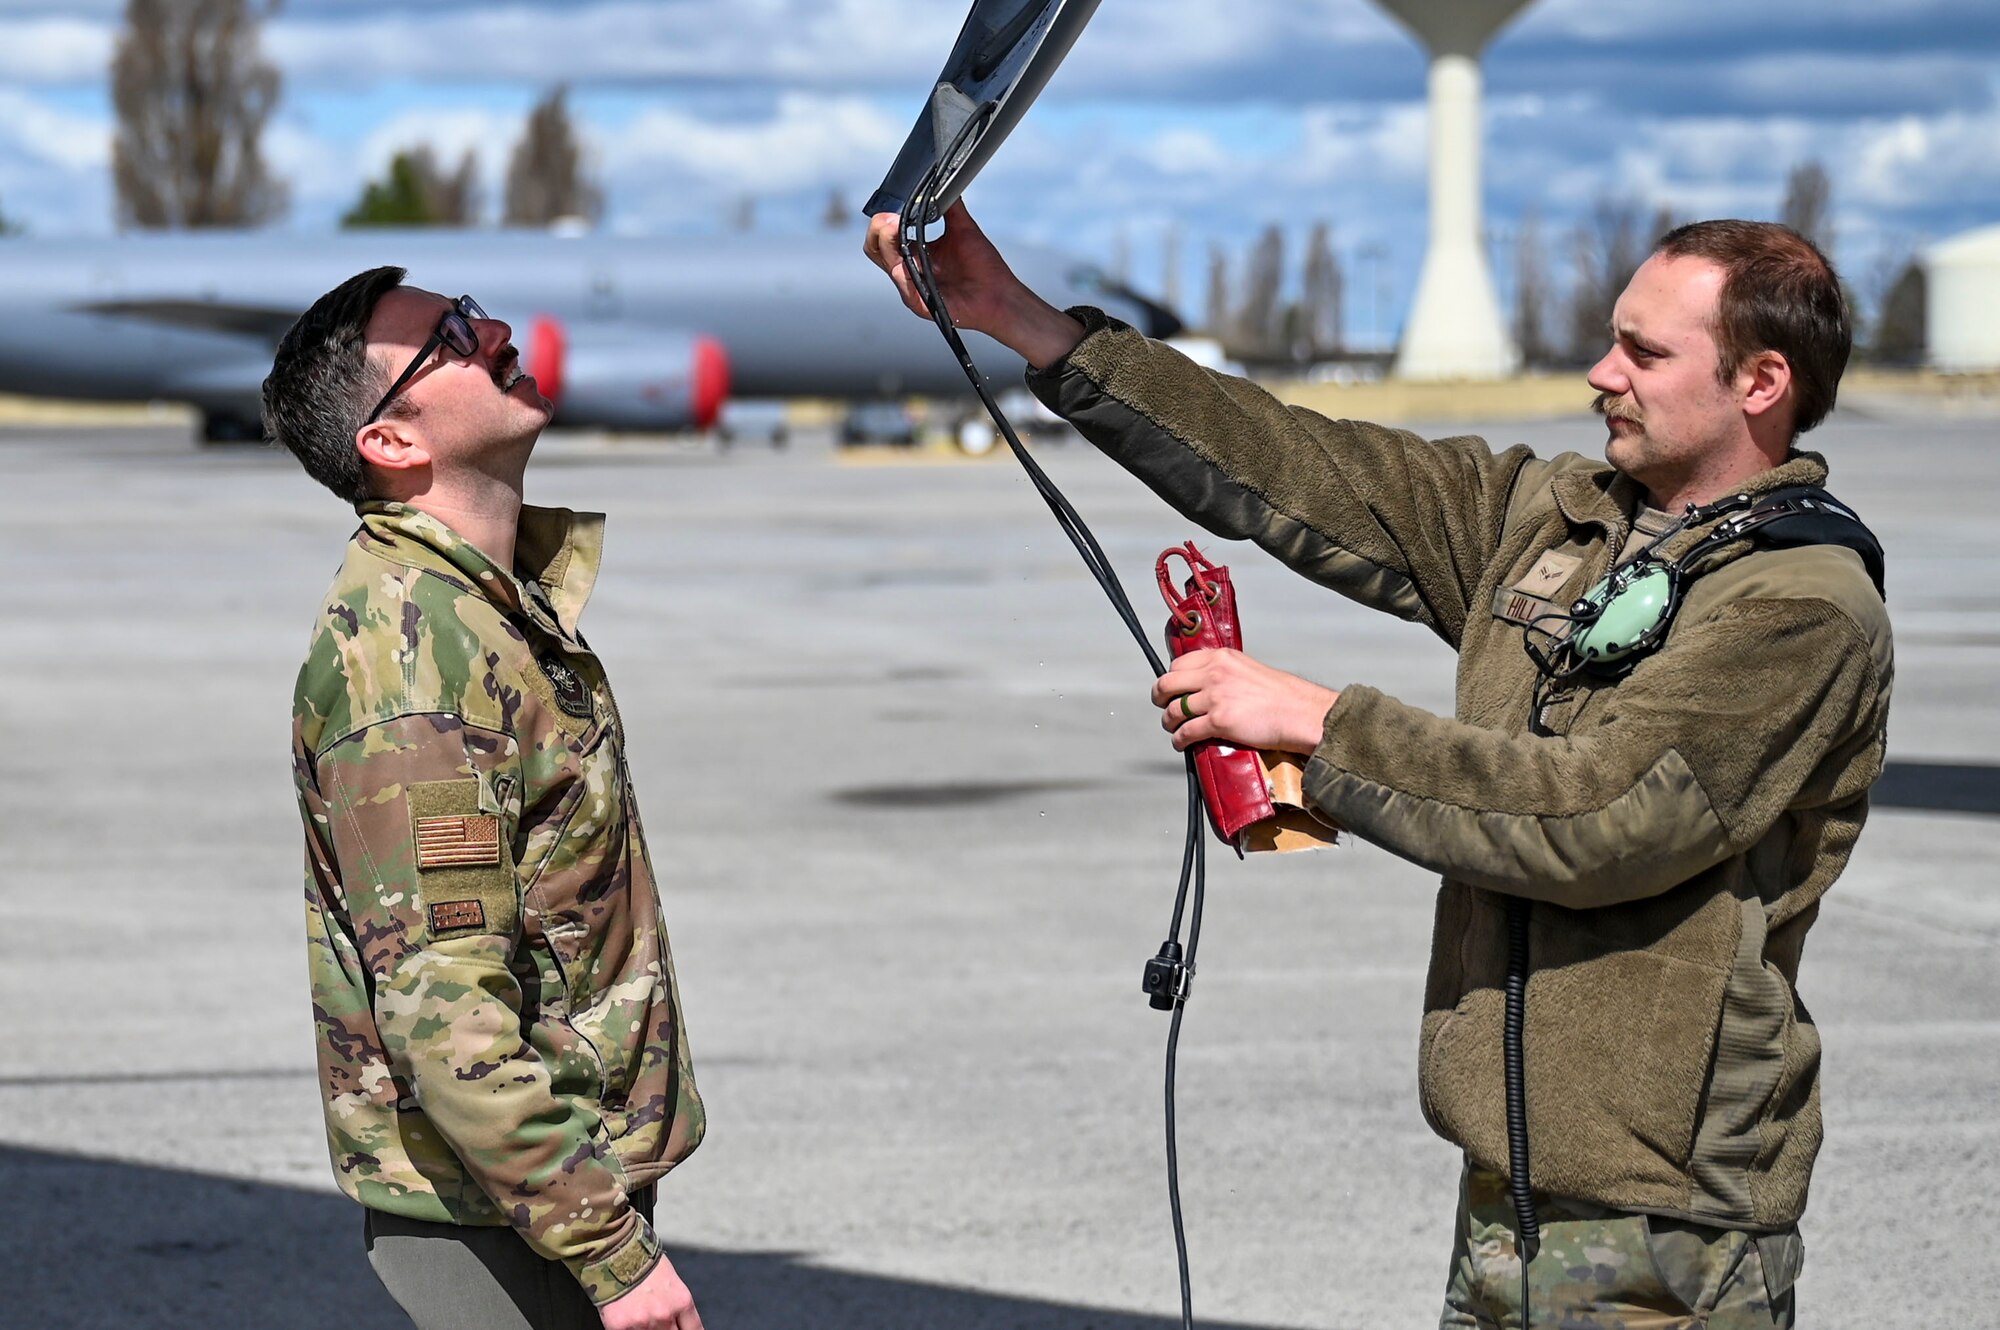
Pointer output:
x,y
454,330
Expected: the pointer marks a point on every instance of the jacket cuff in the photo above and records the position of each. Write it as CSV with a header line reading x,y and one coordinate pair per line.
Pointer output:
x,y
1042,382
1332,757
615,1275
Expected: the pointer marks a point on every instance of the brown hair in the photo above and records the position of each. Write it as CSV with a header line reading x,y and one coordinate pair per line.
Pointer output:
x,y
322,383
1779,293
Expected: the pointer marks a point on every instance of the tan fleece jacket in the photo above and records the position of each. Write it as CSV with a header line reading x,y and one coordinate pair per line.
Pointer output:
x,y
1674,829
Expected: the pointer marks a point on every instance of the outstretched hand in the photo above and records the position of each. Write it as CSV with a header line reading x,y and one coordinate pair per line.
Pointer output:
x,y
979,289
1226,695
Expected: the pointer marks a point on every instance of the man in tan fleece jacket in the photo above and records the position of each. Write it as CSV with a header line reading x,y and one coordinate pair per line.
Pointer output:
x,y
1665,834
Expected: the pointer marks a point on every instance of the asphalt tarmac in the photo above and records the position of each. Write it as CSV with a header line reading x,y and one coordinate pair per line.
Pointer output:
x,y
918,831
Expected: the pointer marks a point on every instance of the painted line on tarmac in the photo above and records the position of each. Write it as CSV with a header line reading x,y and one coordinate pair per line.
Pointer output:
x,y
159,1077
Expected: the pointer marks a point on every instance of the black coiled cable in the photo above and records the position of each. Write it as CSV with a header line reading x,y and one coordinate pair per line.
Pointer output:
x,y
1529,1227
1179,964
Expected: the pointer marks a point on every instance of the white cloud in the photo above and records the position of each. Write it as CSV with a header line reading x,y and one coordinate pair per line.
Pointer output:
x,y
55,50
68,142
808,140
821,43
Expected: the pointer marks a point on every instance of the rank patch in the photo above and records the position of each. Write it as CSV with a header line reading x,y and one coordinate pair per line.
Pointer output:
x,y
458,841
1549,573
449,915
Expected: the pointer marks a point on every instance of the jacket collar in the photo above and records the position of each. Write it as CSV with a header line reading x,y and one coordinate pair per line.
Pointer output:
x,y
1606,497
556,549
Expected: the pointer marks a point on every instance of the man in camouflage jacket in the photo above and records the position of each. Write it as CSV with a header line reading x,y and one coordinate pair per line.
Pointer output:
x,y
504,1066
1668,833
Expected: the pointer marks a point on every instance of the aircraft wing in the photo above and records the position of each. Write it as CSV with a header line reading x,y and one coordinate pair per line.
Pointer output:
x,y
266,323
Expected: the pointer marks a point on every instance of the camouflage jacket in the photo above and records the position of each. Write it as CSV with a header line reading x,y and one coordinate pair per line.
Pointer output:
x,y
500,1038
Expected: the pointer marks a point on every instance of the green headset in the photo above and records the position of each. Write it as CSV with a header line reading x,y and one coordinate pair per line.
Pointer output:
x,y
1627,615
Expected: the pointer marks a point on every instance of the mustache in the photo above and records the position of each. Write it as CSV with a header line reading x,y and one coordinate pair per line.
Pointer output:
x,y
507,368
1614,407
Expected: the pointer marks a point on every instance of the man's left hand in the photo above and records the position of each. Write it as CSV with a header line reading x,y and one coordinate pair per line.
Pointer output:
x,y
1228,696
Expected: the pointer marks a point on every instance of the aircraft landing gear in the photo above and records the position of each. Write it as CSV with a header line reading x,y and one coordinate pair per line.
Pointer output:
x,y
224,427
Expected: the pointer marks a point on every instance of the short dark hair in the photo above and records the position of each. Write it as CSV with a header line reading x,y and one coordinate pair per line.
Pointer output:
x,y
1779,293
322,384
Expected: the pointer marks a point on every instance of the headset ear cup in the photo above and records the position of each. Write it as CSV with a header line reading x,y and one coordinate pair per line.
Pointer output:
x,y
1632,609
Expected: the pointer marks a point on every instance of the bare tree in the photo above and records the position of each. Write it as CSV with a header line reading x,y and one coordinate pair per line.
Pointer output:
x,y
1532,293
1170,267
545,178
192,93
415,191
1322,325
1121,255
1218,318
1808,207
1258,322
1605,251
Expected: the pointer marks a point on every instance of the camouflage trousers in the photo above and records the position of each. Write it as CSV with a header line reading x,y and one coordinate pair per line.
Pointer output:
x,y
1599,1269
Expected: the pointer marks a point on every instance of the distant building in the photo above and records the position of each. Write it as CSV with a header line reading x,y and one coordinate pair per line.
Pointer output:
x,y
1961,328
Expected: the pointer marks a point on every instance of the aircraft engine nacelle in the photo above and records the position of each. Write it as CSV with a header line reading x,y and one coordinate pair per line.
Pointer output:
x,y
635,376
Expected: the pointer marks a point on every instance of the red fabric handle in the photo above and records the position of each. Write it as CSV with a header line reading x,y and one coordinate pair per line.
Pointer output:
x,y
1202,616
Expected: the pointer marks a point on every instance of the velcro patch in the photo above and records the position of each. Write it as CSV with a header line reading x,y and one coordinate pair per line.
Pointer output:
x,y
1549,573
458,841
448,915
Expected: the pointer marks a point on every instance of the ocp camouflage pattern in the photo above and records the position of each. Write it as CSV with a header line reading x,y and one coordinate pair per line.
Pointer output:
x,y
1601,1269
500,1034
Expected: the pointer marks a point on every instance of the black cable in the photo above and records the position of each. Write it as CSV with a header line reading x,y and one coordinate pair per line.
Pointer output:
x,y
1529,1230
1170,973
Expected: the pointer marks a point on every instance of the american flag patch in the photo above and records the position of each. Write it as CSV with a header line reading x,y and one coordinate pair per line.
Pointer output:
x,y
458,841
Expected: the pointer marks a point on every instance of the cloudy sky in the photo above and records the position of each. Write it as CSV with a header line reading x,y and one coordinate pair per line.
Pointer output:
x,y
1203,119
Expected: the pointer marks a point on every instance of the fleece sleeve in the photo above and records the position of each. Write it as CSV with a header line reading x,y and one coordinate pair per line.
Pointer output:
x,y
420,827
1695,756
1398,522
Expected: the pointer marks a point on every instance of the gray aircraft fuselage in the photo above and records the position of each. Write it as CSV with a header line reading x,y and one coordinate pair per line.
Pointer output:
x,y
194,317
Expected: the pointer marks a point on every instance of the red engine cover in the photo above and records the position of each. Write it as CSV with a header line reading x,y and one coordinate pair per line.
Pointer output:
x,y
547,347
708,388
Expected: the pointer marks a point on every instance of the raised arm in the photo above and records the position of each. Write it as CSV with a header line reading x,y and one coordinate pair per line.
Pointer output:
x,y
1398,522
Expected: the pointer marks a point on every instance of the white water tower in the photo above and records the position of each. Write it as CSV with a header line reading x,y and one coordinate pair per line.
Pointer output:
x,y
1455,330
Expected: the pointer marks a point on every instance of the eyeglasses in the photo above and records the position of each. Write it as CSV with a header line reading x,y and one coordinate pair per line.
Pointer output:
x,y
454,331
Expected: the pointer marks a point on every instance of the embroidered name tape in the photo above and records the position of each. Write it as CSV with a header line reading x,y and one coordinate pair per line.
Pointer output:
x,y
458,841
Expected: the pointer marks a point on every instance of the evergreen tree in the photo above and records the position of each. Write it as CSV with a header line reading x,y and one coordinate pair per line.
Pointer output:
x,y
1899,328
415,192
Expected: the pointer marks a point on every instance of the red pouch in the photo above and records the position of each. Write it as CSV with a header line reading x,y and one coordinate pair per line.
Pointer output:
x,y
1237,784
